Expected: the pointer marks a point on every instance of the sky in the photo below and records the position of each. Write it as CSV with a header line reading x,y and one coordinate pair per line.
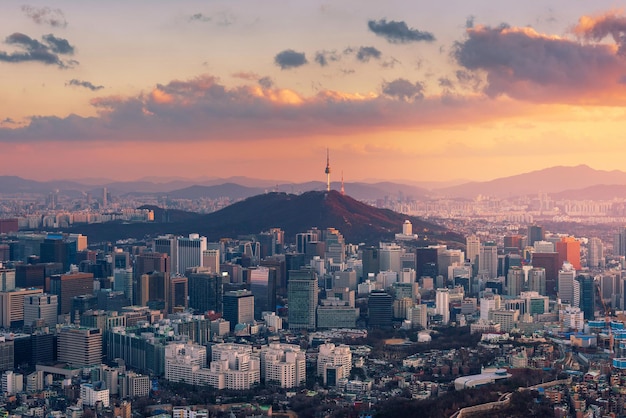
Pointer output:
x,y
395,90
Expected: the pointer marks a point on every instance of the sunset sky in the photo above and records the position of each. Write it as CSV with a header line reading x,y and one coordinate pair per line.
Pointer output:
x,y
411,90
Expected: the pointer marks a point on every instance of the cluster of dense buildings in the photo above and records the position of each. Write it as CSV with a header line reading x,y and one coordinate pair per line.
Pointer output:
x,y
221,314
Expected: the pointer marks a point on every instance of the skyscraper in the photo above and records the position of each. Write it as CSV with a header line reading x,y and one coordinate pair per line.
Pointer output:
x,y
67,286
596,253
473,249
263,286
442,305
380,309
190,252
566,284
569,250
41,306
178,293
370,261
80,346
148,263
535,233
515,281
205,291
587,295
537,280
302,295
238,307
619,242
154,290
488,261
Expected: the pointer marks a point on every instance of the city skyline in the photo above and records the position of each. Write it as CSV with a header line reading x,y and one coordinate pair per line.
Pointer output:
x,y
395,91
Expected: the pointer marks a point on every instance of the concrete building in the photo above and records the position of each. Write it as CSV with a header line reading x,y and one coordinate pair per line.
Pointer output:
x,y
80,346
283,365
302,295
93,393
442,304
41,306
334,363
238,307
182,360
12,307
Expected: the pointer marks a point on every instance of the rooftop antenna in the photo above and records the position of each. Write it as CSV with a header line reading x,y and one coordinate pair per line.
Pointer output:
x,y
327,171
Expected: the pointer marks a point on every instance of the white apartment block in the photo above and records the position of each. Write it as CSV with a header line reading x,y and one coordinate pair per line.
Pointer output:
x,y
331,356
182,360
283,364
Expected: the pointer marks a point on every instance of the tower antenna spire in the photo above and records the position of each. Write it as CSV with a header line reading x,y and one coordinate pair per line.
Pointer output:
x,y
327,171
343,191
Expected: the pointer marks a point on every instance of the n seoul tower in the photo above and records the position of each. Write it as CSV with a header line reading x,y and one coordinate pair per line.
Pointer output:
x,y
327,171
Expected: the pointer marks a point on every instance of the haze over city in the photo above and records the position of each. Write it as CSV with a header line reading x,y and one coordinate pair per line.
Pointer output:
x,y
397,90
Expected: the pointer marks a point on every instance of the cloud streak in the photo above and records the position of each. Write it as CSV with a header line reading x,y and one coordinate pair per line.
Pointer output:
x,y
398,32
45,16
85,84
203,109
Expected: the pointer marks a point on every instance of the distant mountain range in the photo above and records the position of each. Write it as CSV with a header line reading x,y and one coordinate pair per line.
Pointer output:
x,y
357,221
560,182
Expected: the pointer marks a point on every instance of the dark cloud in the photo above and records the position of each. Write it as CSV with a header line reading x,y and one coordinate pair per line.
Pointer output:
x,y
290,59
323,58
597,28
398,32
85,84
527,65
403,89
266,82
58,45
199,17
365,53
469,22
33,50
45,16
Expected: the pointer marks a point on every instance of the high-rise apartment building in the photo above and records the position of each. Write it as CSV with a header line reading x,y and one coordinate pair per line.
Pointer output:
x,y
283,365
